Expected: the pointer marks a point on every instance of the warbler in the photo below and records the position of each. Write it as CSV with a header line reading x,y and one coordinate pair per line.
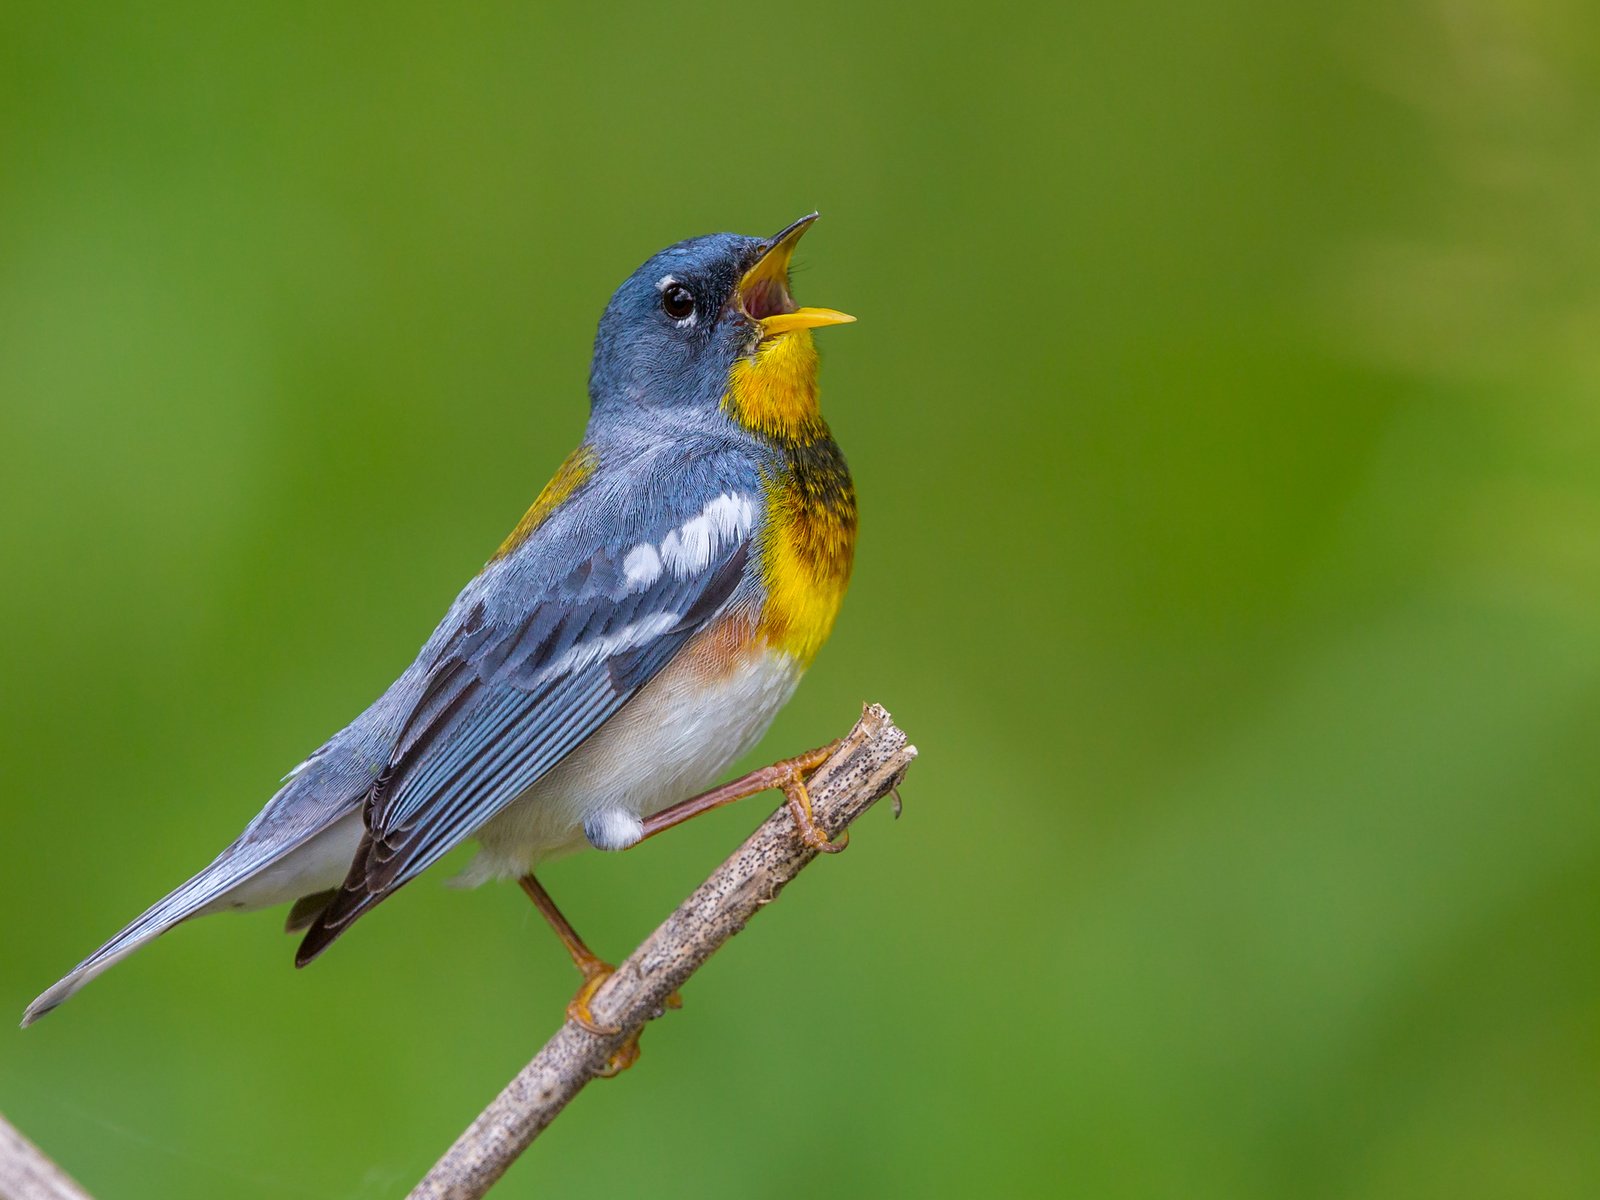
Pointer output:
x,y
637,631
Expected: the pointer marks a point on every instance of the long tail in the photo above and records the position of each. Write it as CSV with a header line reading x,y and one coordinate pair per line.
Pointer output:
x,y
255,871
179,905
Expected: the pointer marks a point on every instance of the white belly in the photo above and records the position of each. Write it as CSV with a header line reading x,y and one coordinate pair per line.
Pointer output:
x,y
671,741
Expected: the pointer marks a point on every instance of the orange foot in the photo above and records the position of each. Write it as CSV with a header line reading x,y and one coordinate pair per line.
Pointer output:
x,y
798,798
595,973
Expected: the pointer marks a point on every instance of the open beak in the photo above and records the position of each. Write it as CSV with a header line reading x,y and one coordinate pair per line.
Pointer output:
x,y
764,291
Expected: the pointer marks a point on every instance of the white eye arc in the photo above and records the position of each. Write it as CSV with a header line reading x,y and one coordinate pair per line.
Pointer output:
x,y
677,301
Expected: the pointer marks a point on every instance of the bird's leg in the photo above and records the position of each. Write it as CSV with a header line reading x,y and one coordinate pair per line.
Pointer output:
x,y
787,774
594,969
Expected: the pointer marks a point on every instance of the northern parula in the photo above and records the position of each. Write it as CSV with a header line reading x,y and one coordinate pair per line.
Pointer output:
x,y
637,631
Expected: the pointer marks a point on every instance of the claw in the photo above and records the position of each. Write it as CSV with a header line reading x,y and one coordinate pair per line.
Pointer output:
x,y
578,1012
812,834
594,974
624,1057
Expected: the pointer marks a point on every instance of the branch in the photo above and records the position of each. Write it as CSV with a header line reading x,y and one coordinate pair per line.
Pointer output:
x,y
867,766
26,1174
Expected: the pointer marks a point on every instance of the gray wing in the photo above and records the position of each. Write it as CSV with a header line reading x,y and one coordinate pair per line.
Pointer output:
x,y
531,670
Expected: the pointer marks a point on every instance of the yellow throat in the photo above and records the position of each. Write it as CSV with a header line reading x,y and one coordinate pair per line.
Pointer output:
x,y
808,546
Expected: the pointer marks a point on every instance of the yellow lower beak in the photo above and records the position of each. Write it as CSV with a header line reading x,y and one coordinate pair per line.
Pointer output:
x,y
764,290
803,318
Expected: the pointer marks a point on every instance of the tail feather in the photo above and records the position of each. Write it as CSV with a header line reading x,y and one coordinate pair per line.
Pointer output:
x,y
344,904
177,906
299,844
255,872
307,909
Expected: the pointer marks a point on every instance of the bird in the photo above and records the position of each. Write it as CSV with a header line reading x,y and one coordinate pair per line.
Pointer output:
x,y
636,632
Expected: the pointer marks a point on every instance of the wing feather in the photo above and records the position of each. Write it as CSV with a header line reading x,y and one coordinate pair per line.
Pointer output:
x,y
505,701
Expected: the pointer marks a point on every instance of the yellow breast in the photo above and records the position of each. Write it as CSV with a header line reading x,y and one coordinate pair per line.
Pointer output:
x,y
808,546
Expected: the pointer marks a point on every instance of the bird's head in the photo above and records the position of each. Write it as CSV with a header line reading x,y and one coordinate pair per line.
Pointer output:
x,y
703,321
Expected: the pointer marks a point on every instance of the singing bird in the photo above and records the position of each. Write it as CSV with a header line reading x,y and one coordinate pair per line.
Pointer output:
x,y
637,631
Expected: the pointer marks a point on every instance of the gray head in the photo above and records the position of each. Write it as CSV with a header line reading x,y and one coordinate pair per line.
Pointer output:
x,y
675,328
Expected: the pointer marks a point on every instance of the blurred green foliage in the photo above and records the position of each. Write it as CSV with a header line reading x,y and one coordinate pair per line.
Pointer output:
x,y
1223,407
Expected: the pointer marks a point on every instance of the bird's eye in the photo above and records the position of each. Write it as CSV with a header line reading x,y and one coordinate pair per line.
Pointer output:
x,y
677,302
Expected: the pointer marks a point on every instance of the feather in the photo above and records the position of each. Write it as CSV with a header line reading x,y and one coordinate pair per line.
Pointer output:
x,y
505,703
307,909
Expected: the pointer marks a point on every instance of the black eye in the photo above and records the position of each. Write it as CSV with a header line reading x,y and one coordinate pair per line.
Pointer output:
x,y
677,302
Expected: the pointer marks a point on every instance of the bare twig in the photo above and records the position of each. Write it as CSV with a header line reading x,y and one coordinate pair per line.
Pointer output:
x,y
26,1174
868,765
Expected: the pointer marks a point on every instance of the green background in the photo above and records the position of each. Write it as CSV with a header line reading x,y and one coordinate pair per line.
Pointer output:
x,y
1223,408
